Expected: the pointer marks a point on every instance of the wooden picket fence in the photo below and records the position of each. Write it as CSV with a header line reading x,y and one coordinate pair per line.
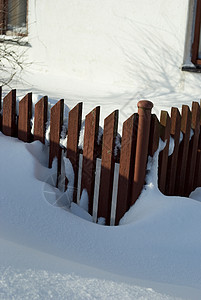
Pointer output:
x,y
179,173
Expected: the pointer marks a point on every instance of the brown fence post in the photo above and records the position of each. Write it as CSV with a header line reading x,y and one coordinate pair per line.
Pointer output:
x,y
144,112
107,166
126,168
40,119
74,126
25,114
9,114
56,121
90,154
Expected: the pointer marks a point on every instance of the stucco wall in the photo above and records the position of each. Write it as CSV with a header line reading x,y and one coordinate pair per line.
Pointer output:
x,y
118,42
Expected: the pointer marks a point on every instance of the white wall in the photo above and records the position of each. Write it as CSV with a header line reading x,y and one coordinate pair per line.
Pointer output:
x,y
122,43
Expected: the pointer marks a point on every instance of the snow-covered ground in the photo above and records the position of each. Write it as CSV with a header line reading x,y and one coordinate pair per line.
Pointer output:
x,y
30,274
47,252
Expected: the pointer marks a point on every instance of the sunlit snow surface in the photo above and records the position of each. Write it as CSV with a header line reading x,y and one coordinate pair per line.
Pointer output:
x,y
36,282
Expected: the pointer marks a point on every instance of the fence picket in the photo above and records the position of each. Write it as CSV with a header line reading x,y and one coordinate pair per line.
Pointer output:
x,y
56,120
172,159
154,135
9,114
25,114
183,150
163,156
74,126
40,119
107,166
126,168
193,146
90,155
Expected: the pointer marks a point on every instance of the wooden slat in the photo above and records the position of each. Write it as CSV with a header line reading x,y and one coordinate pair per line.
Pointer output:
x,y
183,151
172,159
163,156
9,114
40,119
56,121
193,146
90,154
107,166
25,114
74,126
154,135
126,168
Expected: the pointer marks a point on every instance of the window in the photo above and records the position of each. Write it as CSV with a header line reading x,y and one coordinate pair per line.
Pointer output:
x,y
13,17
196,46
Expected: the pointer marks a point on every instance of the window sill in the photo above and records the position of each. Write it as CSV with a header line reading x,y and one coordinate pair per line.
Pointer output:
x,y
19,40
191,68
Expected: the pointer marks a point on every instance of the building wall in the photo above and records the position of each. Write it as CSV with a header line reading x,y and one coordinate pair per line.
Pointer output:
x,y
122,43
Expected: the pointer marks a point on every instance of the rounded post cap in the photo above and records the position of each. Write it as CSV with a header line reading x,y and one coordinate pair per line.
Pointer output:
x,y
145,104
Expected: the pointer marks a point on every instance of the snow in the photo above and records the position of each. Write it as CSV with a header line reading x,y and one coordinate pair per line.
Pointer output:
x,y
51,252
117,144
70,177
171,146
51,248
84,200
49,277
48,245
81,137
